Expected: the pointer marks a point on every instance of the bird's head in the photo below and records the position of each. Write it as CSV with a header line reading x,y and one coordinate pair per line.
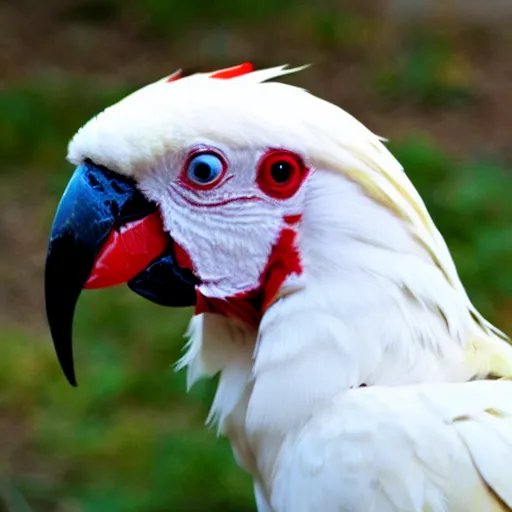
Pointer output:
x,y
221,191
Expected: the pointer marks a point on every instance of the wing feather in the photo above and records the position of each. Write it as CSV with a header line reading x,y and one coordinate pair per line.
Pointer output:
x,y
488,438
429,447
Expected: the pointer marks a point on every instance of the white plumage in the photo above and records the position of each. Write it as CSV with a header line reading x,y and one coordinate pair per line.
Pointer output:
x,y
379,304
406,448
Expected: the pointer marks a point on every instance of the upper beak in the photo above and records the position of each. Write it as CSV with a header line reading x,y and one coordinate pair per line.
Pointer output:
x,y
105,233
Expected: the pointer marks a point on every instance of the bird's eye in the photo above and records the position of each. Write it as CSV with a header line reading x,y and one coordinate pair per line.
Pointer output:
x,y
204,170
281,173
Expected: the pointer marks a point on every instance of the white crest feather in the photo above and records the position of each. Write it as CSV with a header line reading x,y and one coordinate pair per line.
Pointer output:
x,y
262,75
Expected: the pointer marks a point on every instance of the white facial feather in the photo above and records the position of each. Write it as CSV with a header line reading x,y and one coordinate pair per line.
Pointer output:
x,y
228,231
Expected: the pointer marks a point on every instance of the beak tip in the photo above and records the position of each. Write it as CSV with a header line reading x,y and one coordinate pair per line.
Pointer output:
x,y
68,369
70,376
65,358
69,372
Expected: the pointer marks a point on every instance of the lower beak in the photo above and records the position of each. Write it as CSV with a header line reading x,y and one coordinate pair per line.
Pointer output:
x,y
106,233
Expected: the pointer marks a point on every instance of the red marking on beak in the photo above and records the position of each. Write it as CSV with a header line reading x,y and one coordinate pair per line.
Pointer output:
x,y
128,251
241,69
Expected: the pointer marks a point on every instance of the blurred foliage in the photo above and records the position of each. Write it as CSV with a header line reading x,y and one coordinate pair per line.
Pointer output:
x,y
331,29
39,117
470,204
176,14
164,17
431,72
130,438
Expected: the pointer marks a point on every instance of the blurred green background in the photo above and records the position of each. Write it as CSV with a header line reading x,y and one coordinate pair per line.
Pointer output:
x,y
437,84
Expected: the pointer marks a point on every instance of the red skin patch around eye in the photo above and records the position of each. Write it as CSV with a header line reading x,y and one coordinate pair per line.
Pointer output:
x,y
128,251
249,306
266,178
241,69
183,178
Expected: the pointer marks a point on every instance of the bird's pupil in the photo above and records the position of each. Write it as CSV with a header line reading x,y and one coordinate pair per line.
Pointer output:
x,y
202,171
281,171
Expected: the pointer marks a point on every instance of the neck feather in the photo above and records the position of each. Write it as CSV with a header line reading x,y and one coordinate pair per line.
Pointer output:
x,y
375,309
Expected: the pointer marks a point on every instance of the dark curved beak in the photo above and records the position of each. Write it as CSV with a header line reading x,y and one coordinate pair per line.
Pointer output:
x,y
105,232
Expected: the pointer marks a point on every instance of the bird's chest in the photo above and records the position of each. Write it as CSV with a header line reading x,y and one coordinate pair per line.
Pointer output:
x,y
255,450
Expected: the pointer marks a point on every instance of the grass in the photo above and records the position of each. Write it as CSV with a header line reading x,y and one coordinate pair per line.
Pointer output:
x,y
129,438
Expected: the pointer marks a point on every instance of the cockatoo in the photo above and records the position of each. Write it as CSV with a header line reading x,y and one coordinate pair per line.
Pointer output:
x,y
355,373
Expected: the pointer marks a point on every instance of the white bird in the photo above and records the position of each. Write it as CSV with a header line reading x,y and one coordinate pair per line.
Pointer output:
x,y
355,373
